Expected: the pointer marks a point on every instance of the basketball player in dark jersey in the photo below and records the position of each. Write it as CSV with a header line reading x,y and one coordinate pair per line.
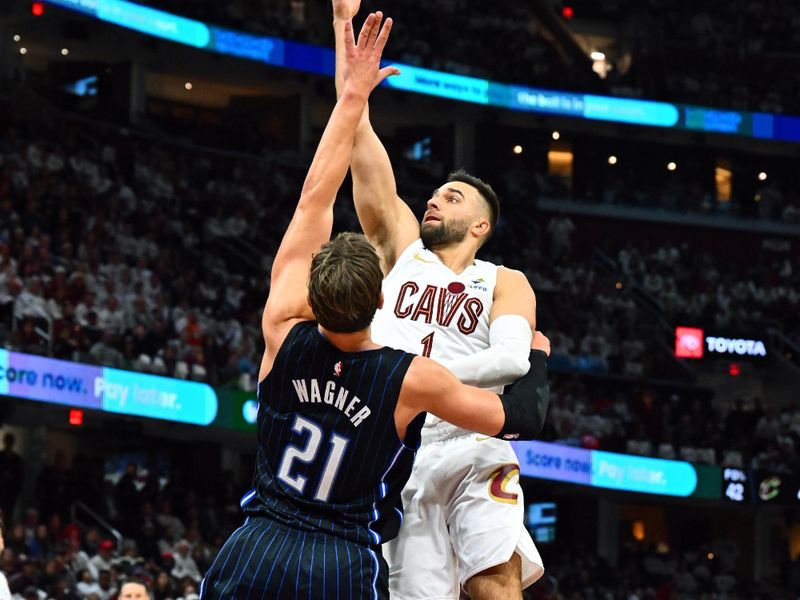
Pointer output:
x,y
339,416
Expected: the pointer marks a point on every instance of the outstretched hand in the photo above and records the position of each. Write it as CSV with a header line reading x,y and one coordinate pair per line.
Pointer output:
x,y
345,9
362,72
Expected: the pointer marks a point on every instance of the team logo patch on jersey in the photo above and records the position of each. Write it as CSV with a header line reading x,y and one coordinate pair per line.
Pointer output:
x,y
456,287
337,369
500,480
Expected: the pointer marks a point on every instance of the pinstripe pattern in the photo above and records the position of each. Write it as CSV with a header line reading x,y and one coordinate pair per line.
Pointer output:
x,y
293,546
358,507
302,566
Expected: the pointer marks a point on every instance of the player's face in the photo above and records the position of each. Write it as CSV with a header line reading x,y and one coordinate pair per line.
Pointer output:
x,y
451,212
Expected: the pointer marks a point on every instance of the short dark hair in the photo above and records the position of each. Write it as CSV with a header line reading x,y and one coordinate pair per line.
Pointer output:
x,y
344,285
136,581
484,189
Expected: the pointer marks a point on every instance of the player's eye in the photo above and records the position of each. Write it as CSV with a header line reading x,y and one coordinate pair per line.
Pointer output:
x,y
453,199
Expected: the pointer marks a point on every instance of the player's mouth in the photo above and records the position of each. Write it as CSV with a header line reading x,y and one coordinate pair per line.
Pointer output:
x,y
431,219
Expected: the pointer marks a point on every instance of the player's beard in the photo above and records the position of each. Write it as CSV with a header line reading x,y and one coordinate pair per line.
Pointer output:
x,y
445,234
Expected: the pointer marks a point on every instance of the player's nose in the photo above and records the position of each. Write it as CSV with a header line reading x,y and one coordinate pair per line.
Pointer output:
x,y
432,204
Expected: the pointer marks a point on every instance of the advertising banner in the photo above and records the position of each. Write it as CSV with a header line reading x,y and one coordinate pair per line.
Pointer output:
x,y
101,388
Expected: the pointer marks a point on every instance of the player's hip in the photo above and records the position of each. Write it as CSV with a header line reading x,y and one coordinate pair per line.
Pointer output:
x,y
265,559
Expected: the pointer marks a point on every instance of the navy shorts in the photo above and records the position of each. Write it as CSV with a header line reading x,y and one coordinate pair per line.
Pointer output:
x,y
269,561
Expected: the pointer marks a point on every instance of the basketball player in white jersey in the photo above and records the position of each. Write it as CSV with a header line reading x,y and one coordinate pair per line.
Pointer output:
x,y
463,529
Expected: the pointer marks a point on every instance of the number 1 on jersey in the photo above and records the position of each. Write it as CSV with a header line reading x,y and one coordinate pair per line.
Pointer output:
x,y
427,345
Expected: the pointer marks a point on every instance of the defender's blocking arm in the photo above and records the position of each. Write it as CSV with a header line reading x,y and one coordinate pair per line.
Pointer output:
x,y
387,221
518,413
312,222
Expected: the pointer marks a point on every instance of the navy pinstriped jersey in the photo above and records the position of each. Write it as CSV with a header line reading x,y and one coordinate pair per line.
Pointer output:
x,y
329,459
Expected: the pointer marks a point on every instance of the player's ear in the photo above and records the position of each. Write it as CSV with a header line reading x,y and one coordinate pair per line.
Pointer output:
x,y
481,227
380,301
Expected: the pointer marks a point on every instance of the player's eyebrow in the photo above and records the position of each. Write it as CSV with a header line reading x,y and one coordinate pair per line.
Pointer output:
x,y
459,192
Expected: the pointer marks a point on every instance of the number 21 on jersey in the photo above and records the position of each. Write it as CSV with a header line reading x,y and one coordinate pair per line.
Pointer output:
x,y
308,454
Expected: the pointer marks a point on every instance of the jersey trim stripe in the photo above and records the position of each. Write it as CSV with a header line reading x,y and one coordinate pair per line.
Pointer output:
x,y
247,497
383,489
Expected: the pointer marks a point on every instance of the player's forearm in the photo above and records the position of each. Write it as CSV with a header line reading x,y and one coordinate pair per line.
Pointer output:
x,y
373,176
504,361
525,403
332,158
489,368
338,30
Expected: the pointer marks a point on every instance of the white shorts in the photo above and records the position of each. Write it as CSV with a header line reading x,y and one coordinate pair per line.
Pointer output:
x,y
464,514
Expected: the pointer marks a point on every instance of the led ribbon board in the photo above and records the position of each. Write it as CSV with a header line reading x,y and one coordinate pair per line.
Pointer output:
x,y
101,388
594,468
321,61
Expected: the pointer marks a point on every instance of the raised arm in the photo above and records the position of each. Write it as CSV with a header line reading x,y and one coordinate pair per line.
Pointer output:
x,y
511,323
518,413
312,222
387,221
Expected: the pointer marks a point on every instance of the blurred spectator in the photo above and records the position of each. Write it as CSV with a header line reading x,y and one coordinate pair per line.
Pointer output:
x,y
28,577
54,490
12,476
5,593
104,353
106,585
185,566
103,560
560,229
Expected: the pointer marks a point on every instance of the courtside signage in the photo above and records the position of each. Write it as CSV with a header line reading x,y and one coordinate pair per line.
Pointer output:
x,y
101,388
321,61
641,474
595,468
554,462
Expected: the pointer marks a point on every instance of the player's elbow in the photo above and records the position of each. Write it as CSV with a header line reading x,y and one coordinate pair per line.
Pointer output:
x,y
524,418
507,365
309,197
517,364
539,414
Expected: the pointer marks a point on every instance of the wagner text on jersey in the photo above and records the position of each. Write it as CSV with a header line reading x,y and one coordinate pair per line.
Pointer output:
x,y
310,391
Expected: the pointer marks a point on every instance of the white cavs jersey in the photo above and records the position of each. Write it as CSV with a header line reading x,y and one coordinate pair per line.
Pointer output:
x,y
431,311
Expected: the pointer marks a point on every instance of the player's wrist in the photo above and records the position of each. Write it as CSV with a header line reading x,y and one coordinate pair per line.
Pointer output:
x,y
355,92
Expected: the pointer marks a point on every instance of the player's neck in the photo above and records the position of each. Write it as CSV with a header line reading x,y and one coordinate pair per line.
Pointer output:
x,y
350,342
456,257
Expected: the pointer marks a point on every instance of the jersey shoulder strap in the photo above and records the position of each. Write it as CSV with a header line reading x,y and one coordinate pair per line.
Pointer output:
x,y
296,333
